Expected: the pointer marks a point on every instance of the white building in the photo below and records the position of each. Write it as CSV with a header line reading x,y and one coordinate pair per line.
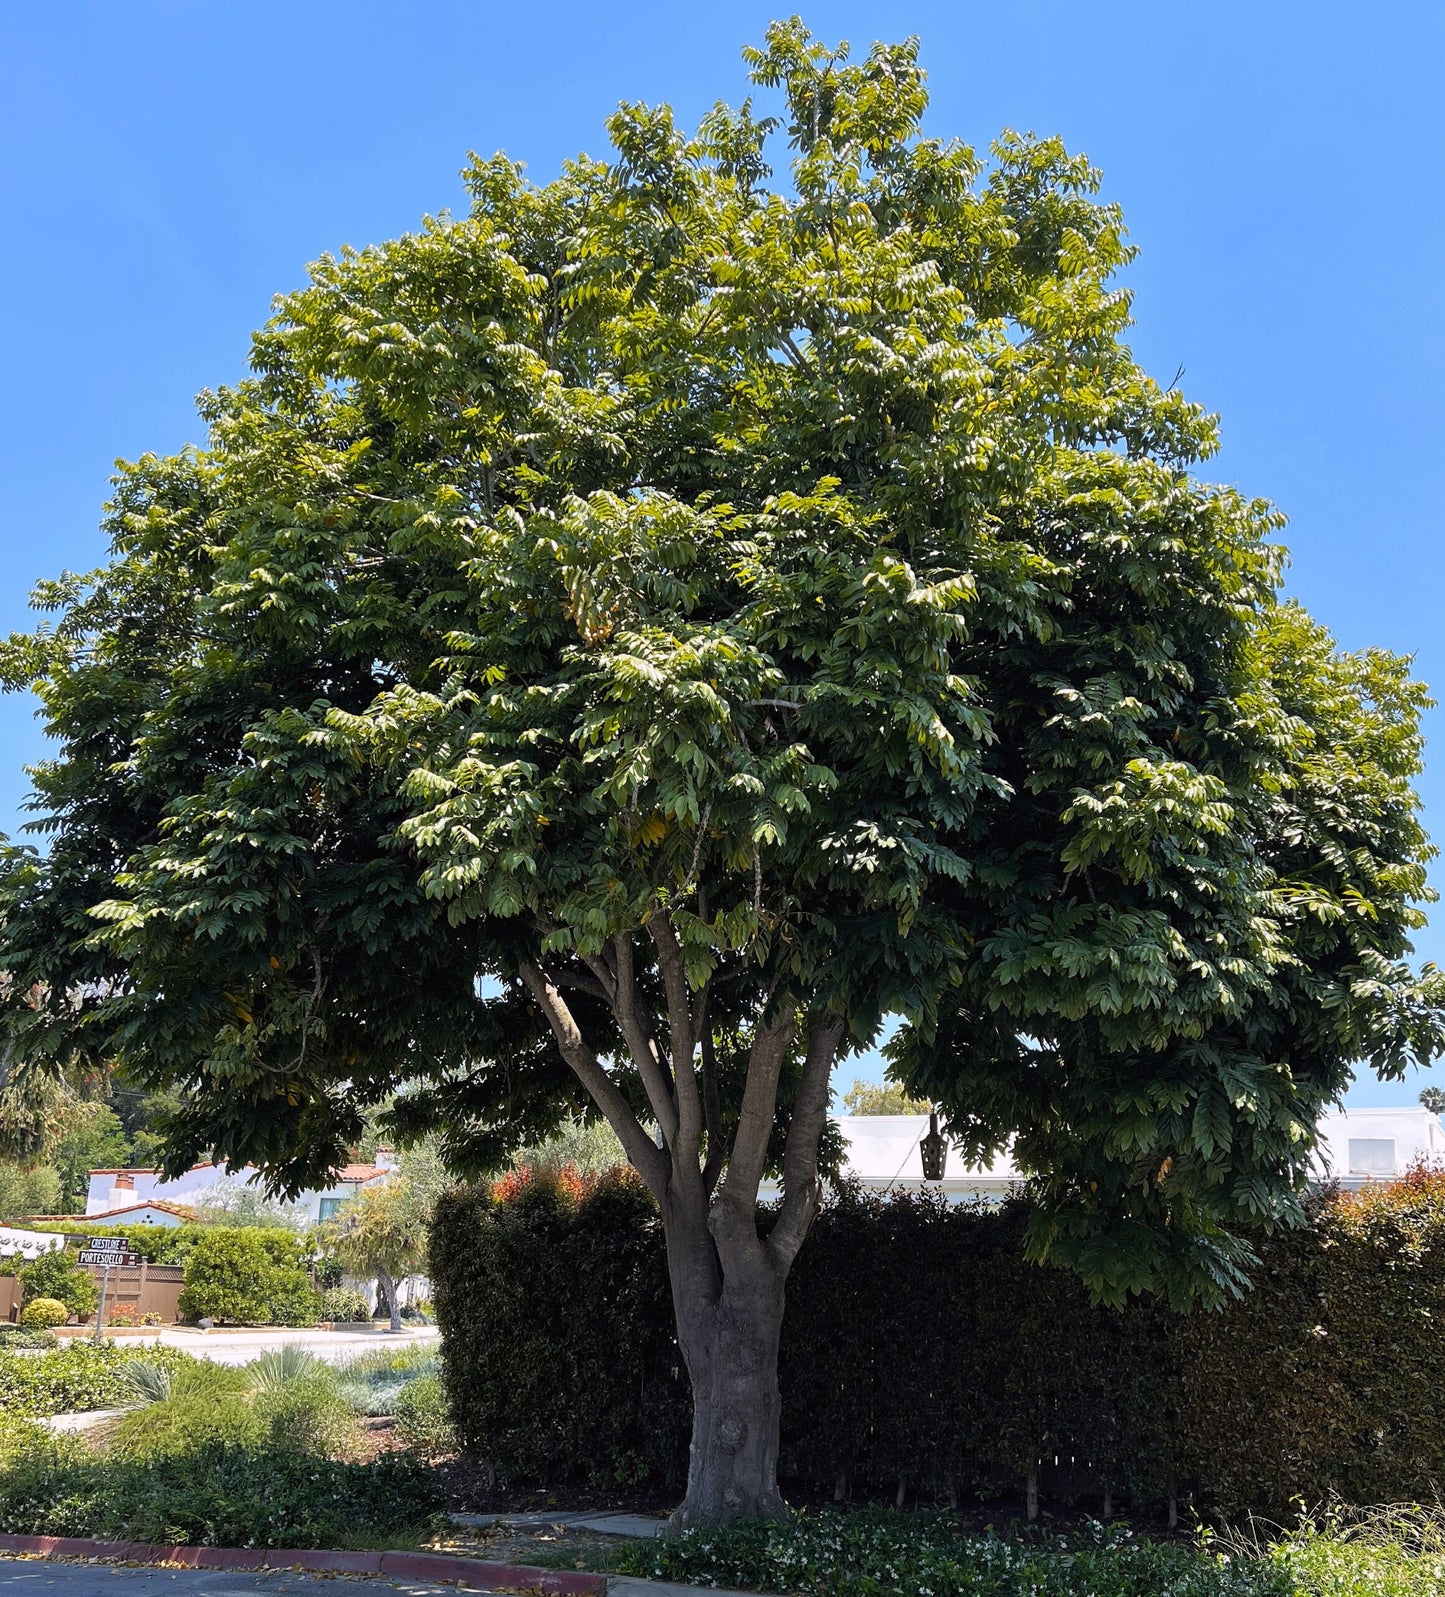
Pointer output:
x,y
1356,1146
145,1197
16,1243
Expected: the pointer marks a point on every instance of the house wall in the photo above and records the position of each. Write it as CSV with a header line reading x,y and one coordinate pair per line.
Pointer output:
x,y
1356,1146
116,1189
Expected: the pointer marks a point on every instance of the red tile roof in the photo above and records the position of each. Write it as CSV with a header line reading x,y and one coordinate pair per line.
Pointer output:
x,y
106,1215
359,1172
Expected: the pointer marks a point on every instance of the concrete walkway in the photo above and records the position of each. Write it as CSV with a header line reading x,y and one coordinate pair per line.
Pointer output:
x,y
605,1523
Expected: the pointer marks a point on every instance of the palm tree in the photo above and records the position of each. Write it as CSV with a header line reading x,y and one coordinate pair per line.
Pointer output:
x,y
1434,1099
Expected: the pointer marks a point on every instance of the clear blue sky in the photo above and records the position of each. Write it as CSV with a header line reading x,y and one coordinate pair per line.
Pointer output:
x,y
167,168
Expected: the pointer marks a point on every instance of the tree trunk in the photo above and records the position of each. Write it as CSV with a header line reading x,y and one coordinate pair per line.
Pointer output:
x,y
729,1302
387,1288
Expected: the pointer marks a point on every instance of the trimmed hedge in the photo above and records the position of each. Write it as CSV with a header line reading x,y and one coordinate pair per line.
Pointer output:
x,y
558,1354
161,1244
918,1346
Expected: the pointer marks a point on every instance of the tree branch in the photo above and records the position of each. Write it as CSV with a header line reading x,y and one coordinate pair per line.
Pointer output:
x,y
580,983
638,1035
648,1159
712,1114
749,1157
680,1027
802,1190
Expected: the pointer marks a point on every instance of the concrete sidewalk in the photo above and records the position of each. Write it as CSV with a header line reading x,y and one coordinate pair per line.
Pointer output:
x,y
241,1346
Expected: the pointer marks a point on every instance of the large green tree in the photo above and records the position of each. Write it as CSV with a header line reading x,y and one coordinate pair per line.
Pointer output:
x,y
619,645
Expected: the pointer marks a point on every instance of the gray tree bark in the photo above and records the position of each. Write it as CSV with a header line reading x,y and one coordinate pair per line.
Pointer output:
x,y
727,1276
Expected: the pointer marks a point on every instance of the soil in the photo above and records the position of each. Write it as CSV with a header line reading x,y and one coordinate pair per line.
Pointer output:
x,y
474,1490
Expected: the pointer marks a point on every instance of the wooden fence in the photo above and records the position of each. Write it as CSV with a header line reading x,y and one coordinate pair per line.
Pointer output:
x,y
9,1297
142,1288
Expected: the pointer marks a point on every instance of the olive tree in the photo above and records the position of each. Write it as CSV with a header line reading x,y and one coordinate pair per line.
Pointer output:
x,y
620,645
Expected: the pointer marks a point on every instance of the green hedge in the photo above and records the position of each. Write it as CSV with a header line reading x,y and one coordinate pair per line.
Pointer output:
x,y
919,1346
248,1276
160,1244
559,1359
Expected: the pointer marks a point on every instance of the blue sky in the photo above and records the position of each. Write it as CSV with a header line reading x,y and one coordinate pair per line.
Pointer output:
x,y
166,168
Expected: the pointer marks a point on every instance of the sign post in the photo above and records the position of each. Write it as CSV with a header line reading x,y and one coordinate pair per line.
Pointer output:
x,y
108,1253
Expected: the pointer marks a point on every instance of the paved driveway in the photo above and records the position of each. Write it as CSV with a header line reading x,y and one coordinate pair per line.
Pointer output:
x,y
33,1578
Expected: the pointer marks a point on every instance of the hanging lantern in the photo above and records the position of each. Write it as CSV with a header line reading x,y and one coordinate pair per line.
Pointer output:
x,y
934,1150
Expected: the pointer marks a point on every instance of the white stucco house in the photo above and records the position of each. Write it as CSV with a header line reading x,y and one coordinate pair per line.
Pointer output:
x,y
1356,1146
145,1197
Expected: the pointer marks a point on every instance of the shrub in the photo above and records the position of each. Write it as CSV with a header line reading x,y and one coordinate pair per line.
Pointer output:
x,y
423,1418
373,1383
56,1275
309,1415
248,1276
77,1376
42,1314
12,1336
558,1353
919,1345
344,1305
123,1314
224,1495
185,1422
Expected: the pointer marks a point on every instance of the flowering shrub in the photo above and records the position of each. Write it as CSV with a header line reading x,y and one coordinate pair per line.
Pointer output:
x,y
566,1180
123,1314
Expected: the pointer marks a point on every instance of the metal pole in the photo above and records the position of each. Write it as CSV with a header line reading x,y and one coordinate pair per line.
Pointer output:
x,y
100,1312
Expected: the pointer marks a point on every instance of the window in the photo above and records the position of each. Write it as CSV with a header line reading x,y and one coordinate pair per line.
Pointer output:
x,y
1372,1156
329,1206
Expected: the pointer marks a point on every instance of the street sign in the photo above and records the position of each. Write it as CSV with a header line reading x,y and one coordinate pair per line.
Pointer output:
x,y
107,1252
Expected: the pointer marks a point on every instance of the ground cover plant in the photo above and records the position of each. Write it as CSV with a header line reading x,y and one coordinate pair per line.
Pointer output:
x,y
882,1553
373,1382
264,1454
211,1491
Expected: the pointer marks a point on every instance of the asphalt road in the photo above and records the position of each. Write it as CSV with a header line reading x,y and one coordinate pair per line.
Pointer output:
x,y
32,1577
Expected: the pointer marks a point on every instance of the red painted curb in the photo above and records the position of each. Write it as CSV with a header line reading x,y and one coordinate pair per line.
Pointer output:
x,y
337,1563
417,1566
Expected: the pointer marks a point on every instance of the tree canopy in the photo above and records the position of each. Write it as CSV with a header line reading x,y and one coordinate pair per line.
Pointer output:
x,y
628,640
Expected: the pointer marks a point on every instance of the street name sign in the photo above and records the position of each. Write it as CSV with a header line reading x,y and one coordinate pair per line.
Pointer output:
x,y
108,1252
